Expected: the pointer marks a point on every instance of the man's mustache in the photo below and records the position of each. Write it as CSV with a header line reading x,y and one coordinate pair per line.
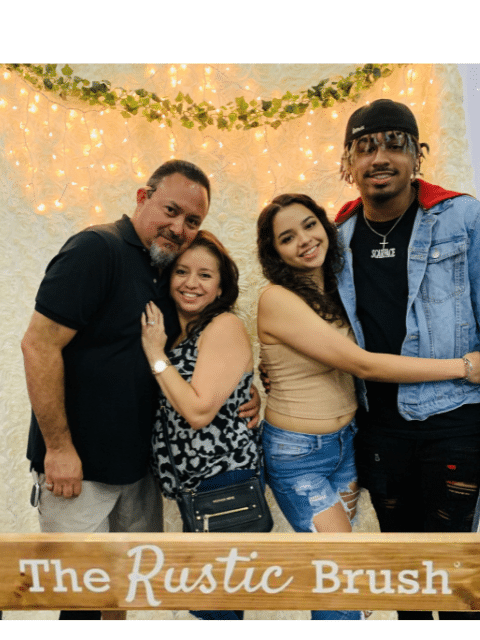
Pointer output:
x,y
170,236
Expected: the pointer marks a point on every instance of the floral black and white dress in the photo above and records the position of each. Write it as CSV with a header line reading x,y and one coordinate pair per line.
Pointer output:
x,y
224,445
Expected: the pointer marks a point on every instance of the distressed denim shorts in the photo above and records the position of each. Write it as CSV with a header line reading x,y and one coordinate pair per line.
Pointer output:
x,y
308,472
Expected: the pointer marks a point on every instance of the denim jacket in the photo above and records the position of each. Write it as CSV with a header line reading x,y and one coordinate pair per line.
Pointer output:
x,y
443,308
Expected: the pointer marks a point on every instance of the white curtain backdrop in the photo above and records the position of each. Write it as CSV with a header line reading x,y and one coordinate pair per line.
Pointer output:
x,y
65,165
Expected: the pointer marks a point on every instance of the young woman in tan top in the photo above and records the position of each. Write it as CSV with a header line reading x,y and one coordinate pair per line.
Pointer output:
x,y
310,357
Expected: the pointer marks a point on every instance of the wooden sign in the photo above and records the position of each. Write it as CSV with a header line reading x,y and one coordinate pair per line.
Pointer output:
x,y
240,571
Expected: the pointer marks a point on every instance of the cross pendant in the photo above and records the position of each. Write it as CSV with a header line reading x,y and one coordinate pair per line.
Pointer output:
x,y
384,242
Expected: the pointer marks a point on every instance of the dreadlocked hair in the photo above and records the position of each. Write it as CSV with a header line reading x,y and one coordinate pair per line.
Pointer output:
x,y
326,303
406,141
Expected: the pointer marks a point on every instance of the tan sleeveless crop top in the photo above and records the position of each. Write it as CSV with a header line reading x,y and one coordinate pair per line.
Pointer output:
x,y
301,387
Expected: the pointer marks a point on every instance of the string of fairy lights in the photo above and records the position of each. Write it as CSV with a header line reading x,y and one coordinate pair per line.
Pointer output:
x,y
60,149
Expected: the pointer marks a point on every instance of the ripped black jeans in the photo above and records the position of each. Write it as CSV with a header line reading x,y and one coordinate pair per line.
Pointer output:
x,y
421,486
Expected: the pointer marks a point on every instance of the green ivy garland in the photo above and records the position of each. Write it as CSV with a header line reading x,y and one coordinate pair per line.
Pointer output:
x,y
241,114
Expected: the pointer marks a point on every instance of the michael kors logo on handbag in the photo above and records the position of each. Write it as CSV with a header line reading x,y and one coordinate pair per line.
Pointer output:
x,y
224,499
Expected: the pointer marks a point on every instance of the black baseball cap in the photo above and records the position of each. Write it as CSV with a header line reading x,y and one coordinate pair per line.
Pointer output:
x,y
381,115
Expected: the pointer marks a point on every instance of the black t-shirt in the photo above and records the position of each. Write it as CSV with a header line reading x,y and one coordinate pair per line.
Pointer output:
x,y
381,286
99,284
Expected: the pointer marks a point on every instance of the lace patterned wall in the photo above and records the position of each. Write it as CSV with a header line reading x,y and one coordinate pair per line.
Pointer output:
x,y
65,166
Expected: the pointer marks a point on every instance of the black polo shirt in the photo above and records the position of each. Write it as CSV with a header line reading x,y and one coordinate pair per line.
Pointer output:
x,y
99,284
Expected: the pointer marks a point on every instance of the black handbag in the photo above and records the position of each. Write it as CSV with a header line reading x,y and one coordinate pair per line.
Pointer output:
x,y
234,508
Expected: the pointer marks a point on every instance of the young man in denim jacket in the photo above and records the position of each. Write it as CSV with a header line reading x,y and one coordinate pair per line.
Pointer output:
x,y
411,286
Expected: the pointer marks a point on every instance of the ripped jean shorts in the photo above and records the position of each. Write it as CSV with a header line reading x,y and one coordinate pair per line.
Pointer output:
x,y
307,473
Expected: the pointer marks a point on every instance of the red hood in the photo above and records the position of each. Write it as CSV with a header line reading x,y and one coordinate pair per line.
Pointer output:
x,y
428,196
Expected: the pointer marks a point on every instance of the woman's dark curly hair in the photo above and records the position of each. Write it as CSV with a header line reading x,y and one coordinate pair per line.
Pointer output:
x,y
327,302
228,281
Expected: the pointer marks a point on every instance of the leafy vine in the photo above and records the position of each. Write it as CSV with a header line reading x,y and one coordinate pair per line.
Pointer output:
x,y
240,114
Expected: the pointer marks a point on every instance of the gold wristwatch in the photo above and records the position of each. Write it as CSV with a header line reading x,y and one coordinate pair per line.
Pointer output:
x,y
160,365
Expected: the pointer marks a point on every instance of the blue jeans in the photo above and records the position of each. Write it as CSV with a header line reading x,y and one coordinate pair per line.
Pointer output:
x,y
222,480
307,473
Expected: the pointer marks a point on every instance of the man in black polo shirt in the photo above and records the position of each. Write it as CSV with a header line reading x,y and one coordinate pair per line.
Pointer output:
x,y
90,385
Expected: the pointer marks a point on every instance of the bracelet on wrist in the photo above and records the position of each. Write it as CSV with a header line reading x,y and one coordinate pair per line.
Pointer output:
x,y
468,368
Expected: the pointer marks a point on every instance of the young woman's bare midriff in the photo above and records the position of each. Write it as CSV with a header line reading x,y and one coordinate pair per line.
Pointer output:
x,y
307,425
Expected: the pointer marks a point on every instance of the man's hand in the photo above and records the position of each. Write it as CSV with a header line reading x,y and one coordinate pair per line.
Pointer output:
x,y
42,348
264,377
251,409
63,472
